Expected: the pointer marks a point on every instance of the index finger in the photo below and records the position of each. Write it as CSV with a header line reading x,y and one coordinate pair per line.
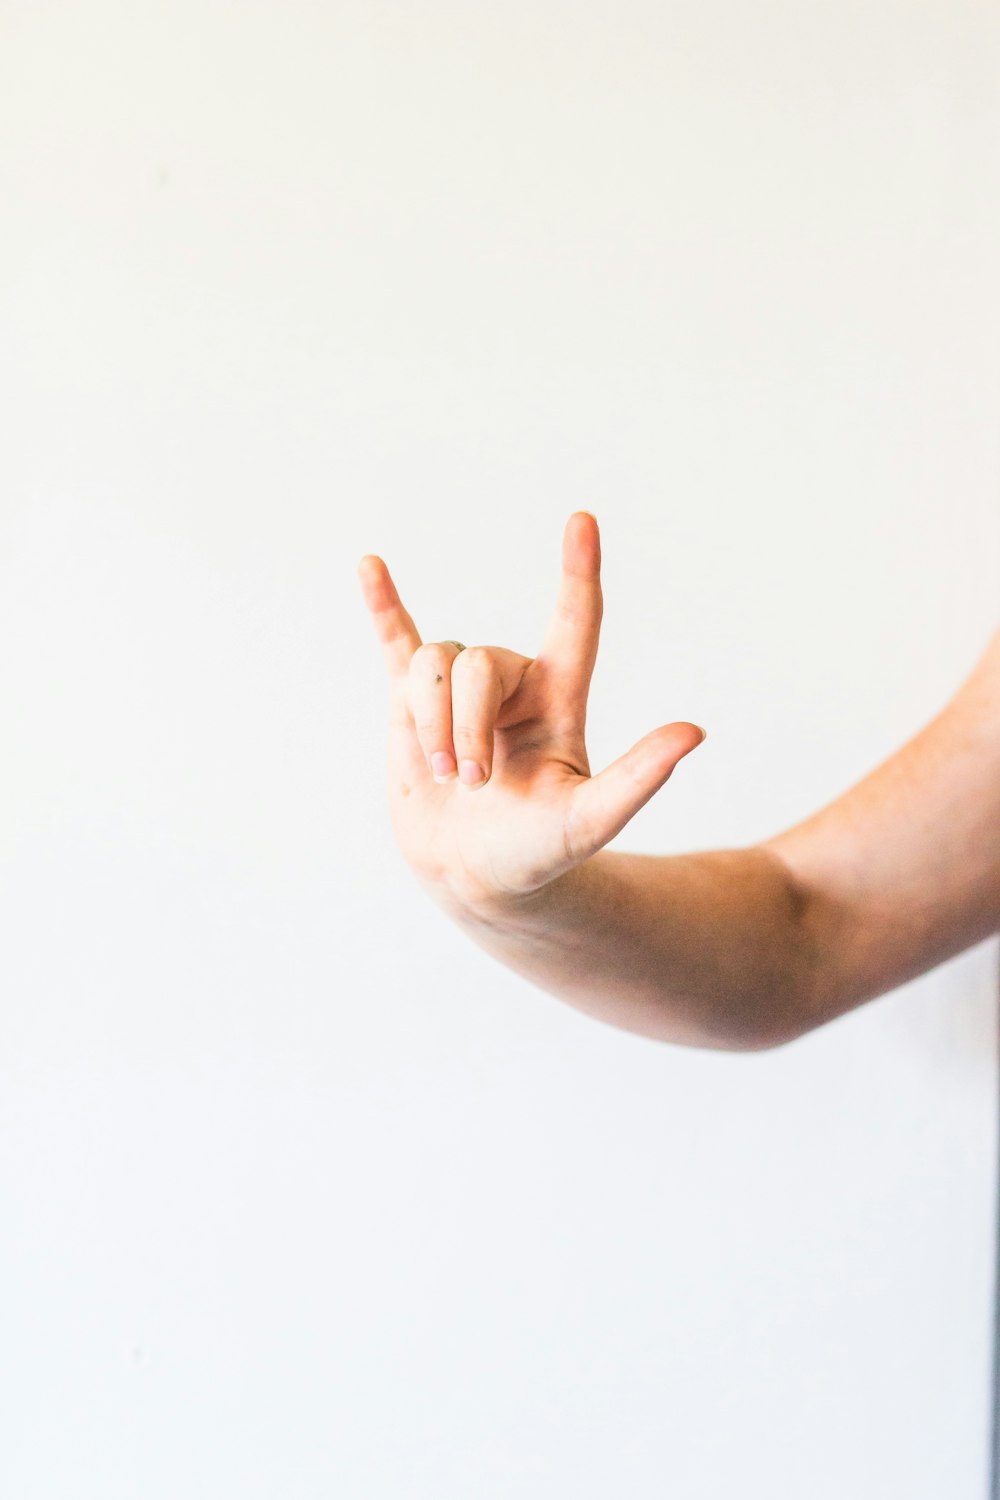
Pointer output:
x,y
396,631
570,646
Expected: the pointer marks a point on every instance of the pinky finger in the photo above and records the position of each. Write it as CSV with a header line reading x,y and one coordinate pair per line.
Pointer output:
x,y
395,629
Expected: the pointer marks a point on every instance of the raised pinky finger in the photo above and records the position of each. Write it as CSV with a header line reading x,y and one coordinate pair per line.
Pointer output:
x,y
395,629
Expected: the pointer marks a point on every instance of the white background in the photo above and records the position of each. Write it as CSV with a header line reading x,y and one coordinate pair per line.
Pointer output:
x,y
303,1194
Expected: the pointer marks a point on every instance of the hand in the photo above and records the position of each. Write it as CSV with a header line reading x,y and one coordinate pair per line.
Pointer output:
x,y
536,811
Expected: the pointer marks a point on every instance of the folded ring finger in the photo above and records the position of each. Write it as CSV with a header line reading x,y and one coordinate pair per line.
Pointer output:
x,y
429,701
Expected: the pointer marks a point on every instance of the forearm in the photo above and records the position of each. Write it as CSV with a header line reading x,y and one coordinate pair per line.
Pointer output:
x,y
707,949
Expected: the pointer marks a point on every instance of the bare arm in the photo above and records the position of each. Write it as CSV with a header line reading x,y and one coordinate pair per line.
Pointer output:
x,y
903,870
706,950
749,948
732,948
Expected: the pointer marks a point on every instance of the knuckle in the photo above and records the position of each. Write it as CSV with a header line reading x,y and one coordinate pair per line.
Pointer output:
x,y
428,729
431,657
469,736
477,659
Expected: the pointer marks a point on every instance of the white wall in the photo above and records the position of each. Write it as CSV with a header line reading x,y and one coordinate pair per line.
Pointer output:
x,y
303,1194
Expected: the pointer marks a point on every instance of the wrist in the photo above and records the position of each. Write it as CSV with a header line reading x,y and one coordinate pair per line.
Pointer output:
x,y
524,913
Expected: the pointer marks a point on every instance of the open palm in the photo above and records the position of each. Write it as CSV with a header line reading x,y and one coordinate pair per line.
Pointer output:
x,y
535,810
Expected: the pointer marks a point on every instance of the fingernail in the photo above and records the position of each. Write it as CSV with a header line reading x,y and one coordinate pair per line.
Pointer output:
x,y
443,766
470,772
704,732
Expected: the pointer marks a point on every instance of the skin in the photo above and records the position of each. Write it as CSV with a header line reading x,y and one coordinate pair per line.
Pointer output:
x,y
741,948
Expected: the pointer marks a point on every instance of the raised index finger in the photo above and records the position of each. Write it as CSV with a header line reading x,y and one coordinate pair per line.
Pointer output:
x,y
396,631
570,646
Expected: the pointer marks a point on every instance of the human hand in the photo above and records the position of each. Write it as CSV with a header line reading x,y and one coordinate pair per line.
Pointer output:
x,y
536,811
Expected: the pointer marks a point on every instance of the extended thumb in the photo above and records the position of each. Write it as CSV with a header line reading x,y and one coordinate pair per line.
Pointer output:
x,y
602,805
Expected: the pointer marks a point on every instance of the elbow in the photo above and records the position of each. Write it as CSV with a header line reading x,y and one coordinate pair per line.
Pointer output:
x,y
767,1041
771,1040
783,1021
765,1033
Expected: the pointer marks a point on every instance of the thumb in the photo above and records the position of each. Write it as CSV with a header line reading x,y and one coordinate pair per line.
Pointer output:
x,y
602,805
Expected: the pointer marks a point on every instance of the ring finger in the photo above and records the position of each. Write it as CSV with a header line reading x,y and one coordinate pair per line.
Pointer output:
x,y
429,695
